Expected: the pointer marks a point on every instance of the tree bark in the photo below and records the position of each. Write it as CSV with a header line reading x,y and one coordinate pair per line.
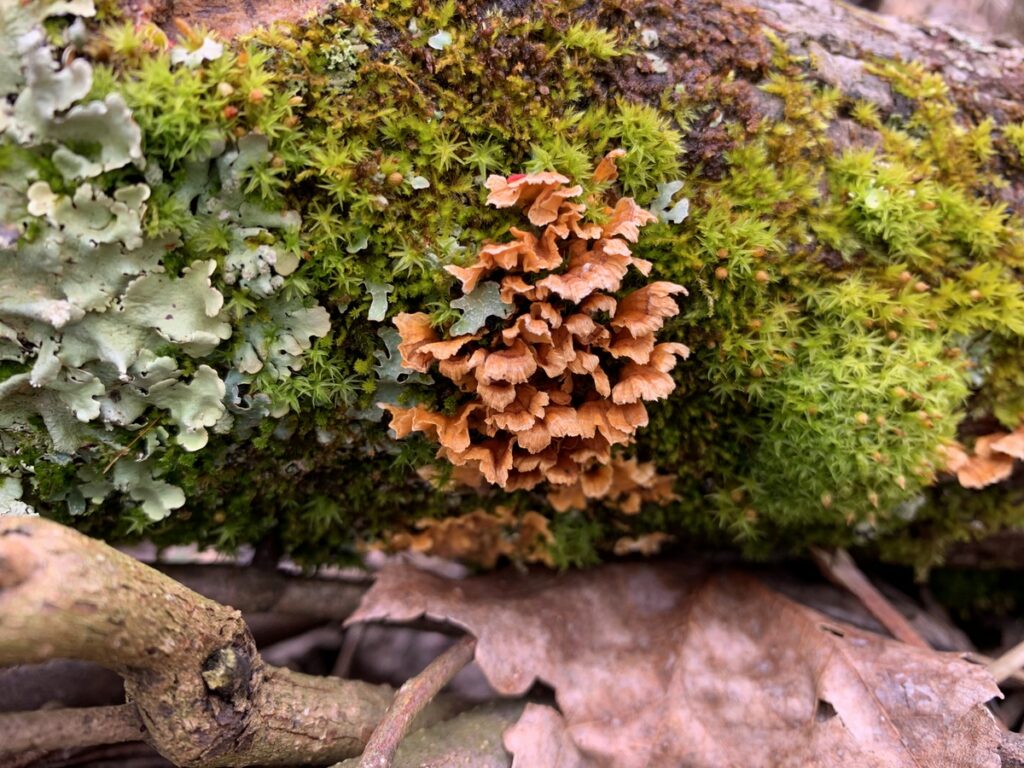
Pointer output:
x,y
710,41
987,77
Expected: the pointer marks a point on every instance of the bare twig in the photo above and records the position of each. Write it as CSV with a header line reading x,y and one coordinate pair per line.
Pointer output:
x,y
1008,664
58,684
52,729
411,699
290,652
980,658
840,569
129,755
124,451
347,654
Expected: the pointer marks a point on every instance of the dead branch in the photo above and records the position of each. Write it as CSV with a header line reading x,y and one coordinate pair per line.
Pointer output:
x,y
131,755
252,590
59,684
48,730
191,669
1008,664
839,568
411,699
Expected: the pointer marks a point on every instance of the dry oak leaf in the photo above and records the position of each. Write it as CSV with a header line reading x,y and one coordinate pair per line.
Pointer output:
x,y
675,665
540,738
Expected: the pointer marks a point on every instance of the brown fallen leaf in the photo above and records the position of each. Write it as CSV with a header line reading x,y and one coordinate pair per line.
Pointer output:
x,y
540,738
673,665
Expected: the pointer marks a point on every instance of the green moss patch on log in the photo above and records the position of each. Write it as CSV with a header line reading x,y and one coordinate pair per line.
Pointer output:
x,y
855,294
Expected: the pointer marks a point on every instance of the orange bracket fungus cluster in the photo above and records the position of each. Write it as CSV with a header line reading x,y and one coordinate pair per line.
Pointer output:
x,y
564,378
991,462
633,484
481,537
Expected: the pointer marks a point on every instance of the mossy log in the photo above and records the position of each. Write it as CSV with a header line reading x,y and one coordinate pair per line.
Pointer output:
x,y
854,188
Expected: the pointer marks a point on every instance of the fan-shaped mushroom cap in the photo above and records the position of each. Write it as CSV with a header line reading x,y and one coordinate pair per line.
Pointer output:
x,y
415,331
514,364
1011,444
468,276
544,209
645,309
607,170
641,382
452,432
520,187
443,350
626,220
565,377
636,348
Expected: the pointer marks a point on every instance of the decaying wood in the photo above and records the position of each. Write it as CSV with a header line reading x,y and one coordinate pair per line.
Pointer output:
x,y
61,596
254,589
195,681
58,684
987,77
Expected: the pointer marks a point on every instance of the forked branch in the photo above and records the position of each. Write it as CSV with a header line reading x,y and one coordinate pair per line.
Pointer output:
x,y
199,687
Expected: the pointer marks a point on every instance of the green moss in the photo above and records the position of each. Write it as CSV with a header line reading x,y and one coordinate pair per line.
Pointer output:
x,y
849,305
1014,134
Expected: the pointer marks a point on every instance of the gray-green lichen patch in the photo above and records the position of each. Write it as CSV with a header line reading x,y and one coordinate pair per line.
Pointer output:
x,y
117,346
10,497
483,302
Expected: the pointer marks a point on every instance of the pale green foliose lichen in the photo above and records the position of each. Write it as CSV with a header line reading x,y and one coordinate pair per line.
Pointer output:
x,y
115,348
483,302
10,497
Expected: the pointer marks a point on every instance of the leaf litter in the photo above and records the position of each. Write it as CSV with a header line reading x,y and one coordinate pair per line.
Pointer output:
x,y
680,665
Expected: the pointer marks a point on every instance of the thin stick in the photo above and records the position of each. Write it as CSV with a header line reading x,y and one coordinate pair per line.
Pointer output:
x,y
47,730
252,590
1007,665
124,451
840,569
410,700
63,595
980,658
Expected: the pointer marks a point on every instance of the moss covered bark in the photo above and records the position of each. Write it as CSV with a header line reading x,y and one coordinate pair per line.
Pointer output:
x,y
852,253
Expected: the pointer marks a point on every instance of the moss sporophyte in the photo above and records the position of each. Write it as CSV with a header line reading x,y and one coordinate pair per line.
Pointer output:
x,y
225,261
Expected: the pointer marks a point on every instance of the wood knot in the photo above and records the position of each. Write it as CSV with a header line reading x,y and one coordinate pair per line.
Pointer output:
x,y
226,672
